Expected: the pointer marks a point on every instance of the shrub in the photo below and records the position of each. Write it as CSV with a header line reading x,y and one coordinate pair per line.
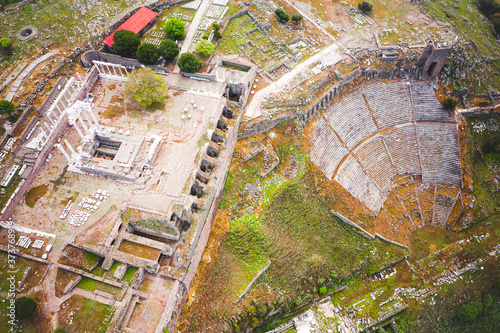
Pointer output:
x,y
296,17
188,63
169,49
174,28
449,104
148,54
216,26
322,290
6,43
321,281
25,307
61,329
204,47
217,34
281,15
125,43
254,323
365,7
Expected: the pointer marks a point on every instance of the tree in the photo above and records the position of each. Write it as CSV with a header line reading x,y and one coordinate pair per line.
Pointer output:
x,y
216,26
322,290
6,43
365,7
297,17
449,104
496,26
188,63
204,47
7,107
469,311
174,28
169,49
145,87
61,329
281,15
125,43
148,54
489,7
25,307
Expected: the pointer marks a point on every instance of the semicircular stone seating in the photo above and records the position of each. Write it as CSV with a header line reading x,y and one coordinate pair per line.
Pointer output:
x,y
380,130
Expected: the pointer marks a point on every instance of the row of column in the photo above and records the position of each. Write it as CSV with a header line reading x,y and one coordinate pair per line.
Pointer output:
x,y
63,101
101,69
84,115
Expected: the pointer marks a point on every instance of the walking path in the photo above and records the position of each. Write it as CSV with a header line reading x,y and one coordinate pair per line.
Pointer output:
x,y
193,26
253,109
25,73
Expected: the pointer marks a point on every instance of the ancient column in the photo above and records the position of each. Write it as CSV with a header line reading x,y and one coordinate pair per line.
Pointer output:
x,y
64,152
78,130
70,147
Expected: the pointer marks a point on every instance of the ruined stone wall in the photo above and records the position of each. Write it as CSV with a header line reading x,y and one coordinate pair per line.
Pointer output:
x,y
89,83
39,163
52,96
28,128
201,239
263,126
433,60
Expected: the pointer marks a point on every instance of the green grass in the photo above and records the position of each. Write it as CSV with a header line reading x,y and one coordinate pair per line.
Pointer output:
x,y
129,274
90,260
91,285
34,194
80,314
484,158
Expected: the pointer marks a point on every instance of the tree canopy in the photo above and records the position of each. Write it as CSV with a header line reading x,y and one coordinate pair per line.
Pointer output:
x,y
125,43
169,49
148,54
281,15
297,17
174,28
145,87
25,307
188,63
365,7
6,107
204,47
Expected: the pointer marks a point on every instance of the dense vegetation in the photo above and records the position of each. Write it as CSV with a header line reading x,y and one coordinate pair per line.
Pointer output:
x,y
5,3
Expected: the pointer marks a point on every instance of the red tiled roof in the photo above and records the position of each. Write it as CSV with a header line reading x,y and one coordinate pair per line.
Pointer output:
x,y
135,23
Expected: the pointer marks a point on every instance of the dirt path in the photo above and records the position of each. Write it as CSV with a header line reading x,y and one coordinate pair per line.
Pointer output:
x,y
253,109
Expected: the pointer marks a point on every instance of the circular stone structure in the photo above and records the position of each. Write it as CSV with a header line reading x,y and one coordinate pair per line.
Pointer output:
x,y
27,33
